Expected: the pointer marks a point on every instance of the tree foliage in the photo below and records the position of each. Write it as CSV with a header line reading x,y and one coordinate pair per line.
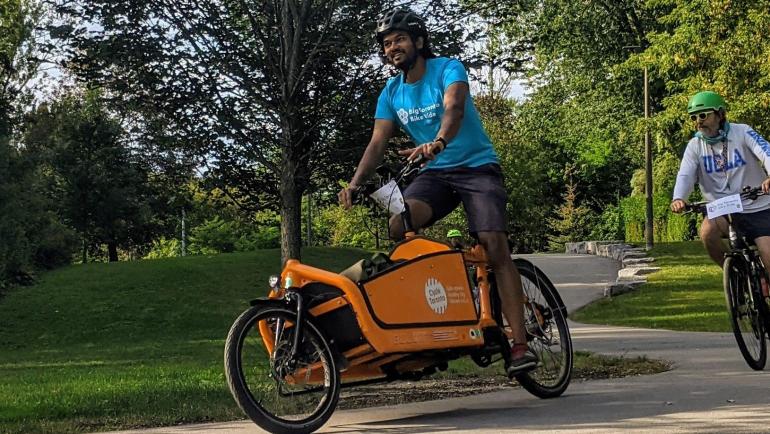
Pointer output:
x,y
723,50
23,216
102,190
259,91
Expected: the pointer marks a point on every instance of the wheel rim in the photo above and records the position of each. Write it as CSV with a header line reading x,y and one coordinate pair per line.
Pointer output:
x,y
544,337
289,390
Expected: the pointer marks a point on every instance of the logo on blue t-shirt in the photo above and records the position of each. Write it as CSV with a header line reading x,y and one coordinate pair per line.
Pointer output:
x,y
403,116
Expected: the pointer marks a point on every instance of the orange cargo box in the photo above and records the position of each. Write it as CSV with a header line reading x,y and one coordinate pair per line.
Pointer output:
x,y
429,290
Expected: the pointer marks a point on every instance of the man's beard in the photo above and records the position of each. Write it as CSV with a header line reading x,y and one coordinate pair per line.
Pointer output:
x,y
407,64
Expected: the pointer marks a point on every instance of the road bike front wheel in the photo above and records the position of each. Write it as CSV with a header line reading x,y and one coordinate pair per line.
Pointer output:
x,y
285,390
745,314
548,336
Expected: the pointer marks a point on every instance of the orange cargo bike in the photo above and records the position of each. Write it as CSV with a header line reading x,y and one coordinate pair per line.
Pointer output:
x,y
400,316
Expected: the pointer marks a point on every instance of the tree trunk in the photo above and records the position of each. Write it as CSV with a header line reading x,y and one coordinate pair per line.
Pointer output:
x,y
84,257
291,213
294,134
309,240
112,249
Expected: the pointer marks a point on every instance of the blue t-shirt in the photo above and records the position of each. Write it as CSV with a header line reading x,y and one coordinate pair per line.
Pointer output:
x,y
418,107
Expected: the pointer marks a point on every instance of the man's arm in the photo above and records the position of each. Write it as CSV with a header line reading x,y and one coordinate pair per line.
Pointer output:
x,y
685,179
375,151
454,110
761,149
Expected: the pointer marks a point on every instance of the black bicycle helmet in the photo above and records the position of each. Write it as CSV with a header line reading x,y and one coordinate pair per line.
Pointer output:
x,y
400,19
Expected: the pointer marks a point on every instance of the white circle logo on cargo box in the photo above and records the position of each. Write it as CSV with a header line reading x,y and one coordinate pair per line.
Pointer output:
x,y
436,296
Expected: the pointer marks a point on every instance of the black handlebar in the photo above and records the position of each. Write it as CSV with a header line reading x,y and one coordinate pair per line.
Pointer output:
x,y
695,207
747,193
403,176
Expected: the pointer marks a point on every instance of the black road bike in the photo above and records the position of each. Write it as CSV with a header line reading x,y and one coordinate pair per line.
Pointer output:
x,y
745,279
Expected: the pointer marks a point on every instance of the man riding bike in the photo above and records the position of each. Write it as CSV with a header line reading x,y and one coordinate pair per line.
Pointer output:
x,y
430,100
723,158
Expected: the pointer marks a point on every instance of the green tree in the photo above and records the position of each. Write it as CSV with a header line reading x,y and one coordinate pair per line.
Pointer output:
x,y
526,166
572,221
271,96
103,192
723,50
584,108
23,216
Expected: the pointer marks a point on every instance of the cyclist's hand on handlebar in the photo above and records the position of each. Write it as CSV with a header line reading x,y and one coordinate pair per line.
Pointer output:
x,y
766,185
678,205
346,195
428,150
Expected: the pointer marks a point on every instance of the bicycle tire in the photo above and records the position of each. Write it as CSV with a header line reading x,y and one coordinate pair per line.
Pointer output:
x,y
266,386
549,338
746,318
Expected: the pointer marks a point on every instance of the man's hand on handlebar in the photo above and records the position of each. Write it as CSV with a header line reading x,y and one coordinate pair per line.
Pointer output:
x,y
346,195
766,186
678,205
428,150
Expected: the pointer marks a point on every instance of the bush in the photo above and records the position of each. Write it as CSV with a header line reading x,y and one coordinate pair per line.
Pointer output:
x,y
667,226
216,235
164,248
609,225
265,237
55,244
353,228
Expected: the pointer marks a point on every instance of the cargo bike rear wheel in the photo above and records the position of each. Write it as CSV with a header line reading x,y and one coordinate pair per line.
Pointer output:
x,y
548,336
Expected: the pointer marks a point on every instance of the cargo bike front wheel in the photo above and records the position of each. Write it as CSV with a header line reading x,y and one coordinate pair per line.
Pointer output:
x,y
285,383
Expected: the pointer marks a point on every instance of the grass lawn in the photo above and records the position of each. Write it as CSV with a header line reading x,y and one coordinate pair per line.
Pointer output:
x,y
130,344
685,295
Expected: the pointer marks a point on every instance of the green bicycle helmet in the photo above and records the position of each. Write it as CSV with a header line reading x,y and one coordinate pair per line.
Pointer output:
x,y
706,100
454,233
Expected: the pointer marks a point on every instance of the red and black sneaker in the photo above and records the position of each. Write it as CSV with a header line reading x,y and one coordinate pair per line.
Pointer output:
x,y
522,360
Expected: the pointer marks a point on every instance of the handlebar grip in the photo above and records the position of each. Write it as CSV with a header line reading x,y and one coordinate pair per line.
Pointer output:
x,y
419,159
699,207
357,196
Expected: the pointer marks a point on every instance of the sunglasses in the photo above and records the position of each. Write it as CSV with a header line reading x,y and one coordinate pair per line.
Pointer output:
x,y
701,116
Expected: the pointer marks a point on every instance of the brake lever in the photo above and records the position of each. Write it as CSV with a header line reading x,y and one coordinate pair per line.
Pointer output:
x,y
751,193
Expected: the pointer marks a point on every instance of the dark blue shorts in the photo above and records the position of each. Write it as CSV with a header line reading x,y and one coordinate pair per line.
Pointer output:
x,y
479,189
753,225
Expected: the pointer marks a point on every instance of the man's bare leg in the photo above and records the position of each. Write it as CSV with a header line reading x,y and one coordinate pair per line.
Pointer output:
x,y
511,295
420,213
711,233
